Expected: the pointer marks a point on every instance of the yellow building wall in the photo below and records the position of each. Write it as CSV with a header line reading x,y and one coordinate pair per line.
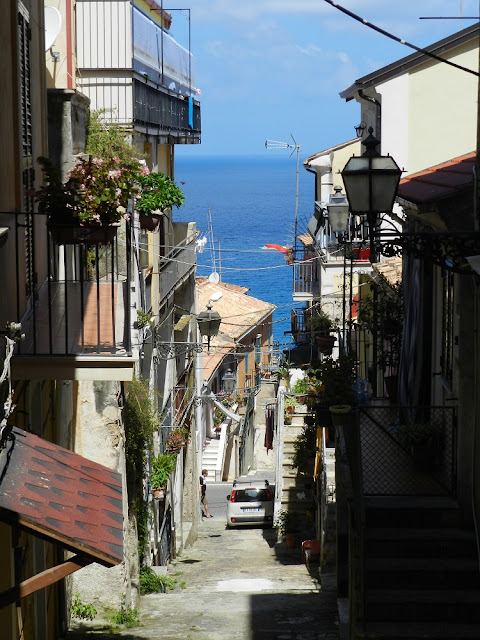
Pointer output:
x,y
442,110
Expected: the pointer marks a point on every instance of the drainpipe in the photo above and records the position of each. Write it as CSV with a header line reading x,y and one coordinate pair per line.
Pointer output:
x,y
378,123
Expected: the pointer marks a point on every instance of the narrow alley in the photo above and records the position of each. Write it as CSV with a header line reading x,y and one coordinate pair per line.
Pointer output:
x,y
238,584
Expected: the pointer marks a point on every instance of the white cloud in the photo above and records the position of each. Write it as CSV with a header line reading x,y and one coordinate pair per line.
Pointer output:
x,y
310,50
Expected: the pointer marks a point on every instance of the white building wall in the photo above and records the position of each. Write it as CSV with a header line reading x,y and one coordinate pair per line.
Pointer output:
x,y
104,34
395,119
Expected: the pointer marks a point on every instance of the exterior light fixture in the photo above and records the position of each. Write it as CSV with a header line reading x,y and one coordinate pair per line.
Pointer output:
x,y
360,129
371,182
338,211
208,323
229,382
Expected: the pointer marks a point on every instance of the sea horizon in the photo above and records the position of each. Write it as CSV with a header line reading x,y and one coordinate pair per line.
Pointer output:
x,y
252,203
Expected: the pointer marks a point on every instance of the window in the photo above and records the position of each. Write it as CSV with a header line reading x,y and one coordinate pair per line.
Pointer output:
x,y
28,175
446,360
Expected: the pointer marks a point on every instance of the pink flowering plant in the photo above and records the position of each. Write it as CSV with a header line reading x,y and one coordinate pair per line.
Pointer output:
x,y
177,440
97,190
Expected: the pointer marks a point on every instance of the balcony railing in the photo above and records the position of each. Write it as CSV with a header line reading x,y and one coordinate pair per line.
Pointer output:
x,y
305,279
176,115
73,299
177,266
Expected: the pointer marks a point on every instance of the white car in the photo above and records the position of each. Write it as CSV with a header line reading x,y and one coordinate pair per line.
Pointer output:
x,y
250,503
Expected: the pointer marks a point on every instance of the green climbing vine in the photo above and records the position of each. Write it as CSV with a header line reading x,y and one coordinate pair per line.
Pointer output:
x,y
140,419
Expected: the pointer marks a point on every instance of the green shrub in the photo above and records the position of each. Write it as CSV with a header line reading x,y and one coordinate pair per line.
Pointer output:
x,y
127,617
82,610
305,446
151,582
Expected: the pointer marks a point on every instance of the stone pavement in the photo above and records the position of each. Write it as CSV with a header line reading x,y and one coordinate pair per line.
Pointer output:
x,y
238,584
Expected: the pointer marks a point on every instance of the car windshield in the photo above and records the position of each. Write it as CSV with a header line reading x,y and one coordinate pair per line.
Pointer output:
x,y
251,495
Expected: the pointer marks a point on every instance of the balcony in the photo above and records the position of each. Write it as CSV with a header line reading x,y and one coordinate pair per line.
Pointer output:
x,y
306,285
130,65
180,263
73,302
168,114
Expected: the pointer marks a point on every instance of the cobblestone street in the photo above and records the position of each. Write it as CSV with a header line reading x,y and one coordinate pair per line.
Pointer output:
x,y
236,584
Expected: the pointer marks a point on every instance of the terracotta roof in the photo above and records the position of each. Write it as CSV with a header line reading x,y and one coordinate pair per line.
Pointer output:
x,y
306,239
61,495
239,311
390,269
438,182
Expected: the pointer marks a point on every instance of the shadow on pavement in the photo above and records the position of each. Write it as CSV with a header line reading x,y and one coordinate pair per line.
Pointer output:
x,y
100,632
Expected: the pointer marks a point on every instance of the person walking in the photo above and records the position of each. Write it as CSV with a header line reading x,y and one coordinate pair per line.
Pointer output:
x,y
203,494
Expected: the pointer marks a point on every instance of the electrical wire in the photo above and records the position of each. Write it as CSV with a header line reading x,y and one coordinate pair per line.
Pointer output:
x,y
400,40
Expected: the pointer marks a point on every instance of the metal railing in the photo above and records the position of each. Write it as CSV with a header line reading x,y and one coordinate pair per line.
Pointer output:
x,y
79,300
305,278
176,266
392,438
154,108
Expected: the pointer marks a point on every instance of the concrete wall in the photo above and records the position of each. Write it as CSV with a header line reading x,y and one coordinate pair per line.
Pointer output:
x,y
99,436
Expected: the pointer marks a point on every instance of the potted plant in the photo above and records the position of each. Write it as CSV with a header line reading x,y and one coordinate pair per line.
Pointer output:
x,y
301,388
287,525
333,382
320,325
290,404
305,449
162,466
158,193
284,373
88,207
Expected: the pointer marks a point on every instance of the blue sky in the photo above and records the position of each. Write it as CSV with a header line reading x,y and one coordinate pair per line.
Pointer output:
x,y
268,68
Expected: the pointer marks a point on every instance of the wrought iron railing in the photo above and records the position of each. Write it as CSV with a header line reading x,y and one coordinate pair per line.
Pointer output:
x,y
166,112
80,300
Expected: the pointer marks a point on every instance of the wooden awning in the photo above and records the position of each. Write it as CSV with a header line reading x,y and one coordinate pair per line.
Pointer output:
x,y
64,498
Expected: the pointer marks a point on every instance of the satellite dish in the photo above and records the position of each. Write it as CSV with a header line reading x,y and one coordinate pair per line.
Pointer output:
x,y
214,278
215,297
53,24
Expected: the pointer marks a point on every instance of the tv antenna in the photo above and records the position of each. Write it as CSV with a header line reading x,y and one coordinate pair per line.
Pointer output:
x,y
460,17
275,144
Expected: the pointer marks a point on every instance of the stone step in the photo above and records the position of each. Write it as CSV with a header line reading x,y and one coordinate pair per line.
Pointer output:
x,y
431,573
420,542
421,631
417,605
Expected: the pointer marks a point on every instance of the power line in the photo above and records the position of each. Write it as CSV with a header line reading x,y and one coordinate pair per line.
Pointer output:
x,y
399,40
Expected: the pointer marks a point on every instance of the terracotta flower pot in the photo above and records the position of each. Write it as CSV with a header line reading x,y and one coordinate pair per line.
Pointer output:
x,y
159,493
326,344
149,222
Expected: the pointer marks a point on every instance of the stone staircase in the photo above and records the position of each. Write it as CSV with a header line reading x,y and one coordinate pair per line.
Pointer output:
x,y
421,571
211,453
296,488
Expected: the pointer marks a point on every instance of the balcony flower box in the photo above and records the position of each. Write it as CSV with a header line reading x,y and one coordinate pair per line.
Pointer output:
x,y
88,207
86,233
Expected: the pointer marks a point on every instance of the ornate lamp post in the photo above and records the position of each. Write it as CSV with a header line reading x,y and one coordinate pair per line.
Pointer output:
x,y
229,382
371,182
208,323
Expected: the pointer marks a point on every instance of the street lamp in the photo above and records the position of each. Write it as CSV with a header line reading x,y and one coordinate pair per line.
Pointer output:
x,y
229,382
208,323
371,182
338,211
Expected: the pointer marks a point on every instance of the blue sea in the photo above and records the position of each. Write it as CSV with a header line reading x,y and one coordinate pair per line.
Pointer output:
x,y
252,203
